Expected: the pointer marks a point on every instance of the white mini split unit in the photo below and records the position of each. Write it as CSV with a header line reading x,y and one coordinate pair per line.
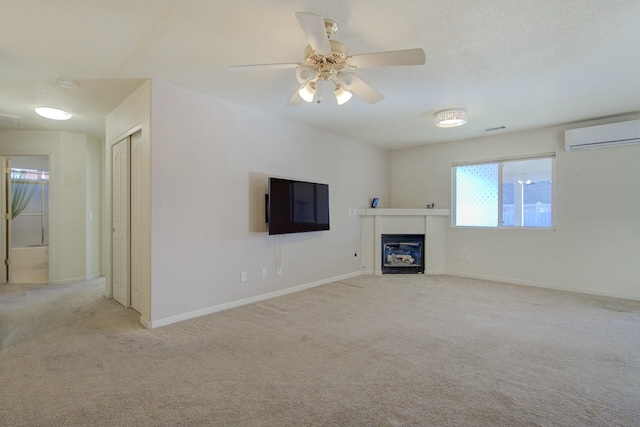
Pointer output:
x,y
611,135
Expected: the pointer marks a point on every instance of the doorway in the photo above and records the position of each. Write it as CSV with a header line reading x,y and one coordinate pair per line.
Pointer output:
x,y
26,224
126,211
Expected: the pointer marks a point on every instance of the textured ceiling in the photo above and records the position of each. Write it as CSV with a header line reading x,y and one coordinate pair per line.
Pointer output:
x,y
519,64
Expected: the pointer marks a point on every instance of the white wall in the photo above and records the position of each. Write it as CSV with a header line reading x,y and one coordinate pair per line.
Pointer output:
x,y
210,164
67,190
594,247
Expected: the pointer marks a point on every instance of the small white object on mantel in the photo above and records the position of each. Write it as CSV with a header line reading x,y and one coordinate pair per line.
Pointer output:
x,y
430,222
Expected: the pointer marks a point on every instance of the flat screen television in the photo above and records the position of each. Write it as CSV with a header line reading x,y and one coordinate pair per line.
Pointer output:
x,y
297,206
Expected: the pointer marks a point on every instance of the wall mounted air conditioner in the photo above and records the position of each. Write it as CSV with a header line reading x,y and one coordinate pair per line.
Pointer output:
x,y
611,135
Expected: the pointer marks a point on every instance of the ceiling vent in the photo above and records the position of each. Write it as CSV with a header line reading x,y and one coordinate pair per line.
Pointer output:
x,y
9,121
611,135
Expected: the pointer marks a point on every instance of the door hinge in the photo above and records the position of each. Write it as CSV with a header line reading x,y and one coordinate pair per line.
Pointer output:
x,y
6,169
7,215
7,262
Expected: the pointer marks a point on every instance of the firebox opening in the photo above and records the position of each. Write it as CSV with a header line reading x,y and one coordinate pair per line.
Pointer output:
x,y
402,253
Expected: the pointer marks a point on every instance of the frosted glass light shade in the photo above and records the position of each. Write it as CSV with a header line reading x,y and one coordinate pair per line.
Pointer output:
x,y
451,118
308,92
342,95
53,113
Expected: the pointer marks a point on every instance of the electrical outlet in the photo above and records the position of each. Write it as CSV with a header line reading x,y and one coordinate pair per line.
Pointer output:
x,y
279,270
243,276
459,257
468,257
264,273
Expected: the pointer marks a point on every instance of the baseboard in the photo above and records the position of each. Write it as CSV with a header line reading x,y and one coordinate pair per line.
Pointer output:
x,y
434,272
70,281
233,304
144,322
544,285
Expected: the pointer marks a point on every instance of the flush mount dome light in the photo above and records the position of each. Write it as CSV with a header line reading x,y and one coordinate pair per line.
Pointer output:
x,y
451,118
53,113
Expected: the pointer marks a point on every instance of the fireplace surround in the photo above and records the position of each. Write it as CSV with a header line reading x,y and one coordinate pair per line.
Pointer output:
x,y
430,222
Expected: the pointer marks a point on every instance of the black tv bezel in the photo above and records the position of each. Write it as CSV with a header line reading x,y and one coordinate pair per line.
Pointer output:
x,y
304,228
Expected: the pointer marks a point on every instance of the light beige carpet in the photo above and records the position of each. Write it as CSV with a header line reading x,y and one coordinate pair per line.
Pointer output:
x,y
393,350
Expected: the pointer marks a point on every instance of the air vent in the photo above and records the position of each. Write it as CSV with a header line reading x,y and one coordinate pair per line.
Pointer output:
x,y
9,121
495,128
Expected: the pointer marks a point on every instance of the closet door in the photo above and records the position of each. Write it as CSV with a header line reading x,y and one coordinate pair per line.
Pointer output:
x,y
137,226
120,213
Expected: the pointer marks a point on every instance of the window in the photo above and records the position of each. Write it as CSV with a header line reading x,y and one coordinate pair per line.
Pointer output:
x,y
508,193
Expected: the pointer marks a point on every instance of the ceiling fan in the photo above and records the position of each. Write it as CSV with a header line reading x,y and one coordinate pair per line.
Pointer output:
x,y
327,61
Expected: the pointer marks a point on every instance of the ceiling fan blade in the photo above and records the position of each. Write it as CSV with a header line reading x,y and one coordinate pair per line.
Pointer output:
x,y
296,99
366,92
313,27
388,59
261,67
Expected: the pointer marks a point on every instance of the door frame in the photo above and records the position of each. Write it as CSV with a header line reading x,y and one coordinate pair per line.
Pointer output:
x,y
5,234
139,268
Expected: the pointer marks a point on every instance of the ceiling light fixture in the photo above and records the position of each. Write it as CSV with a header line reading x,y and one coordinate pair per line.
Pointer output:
x,y
342,95
451,118
308,92
53,113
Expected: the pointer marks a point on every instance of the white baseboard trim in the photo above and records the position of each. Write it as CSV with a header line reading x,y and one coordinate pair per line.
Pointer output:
x,y
144,322
545,285
70,281
434,272
233,304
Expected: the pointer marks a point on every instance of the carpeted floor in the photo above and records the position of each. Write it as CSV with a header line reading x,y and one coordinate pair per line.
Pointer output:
x,y
392,350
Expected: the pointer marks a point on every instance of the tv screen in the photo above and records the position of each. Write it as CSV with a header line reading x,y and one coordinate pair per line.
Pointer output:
x,y
297,206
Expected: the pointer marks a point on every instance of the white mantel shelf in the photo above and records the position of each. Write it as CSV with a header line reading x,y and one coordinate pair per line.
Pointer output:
x,y
403,212
430,222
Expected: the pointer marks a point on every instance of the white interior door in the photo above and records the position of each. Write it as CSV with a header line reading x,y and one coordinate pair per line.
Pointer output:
x,y
137,243
120,212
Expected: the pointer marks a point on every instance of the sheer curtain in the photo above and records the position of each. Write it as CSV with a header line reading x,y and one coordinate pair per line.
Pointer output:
x,y
22,190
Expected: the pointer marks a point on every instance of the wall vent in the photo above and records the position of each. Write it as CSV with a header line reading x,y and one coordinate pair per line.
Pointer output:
x,y
9,121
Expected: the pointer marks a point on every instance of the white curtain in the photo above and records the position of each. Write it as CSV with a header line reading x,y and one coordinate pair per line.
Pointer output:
x,y
22,190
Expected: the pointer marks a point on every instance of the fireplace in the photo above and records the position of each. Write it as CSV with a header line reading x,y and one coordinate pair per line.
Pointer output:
x,y
402,253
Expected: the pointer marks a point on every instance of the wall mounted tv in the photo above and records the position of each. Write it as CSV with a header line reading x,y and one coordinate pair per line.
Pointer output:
x,y
297,206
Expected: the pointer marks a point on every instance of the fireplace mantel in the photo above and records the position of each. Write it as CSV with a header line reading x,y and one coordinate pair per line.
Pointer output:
x,y
403,212
430,222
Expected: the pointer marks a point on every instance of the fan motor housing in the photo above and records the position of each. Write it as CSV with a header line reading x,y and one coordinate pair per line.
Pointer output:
x,y
338,55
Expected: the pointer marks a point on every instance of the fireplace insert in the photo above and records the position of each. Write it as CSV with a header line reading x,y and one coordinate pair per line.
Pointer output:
x,y
402,253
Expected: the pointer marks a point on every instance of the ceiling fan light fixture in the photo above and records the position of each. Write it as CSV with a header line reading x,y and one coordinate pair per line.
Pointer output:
x,y
305,73
342,96
347,80
53,113
451,118
308,92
